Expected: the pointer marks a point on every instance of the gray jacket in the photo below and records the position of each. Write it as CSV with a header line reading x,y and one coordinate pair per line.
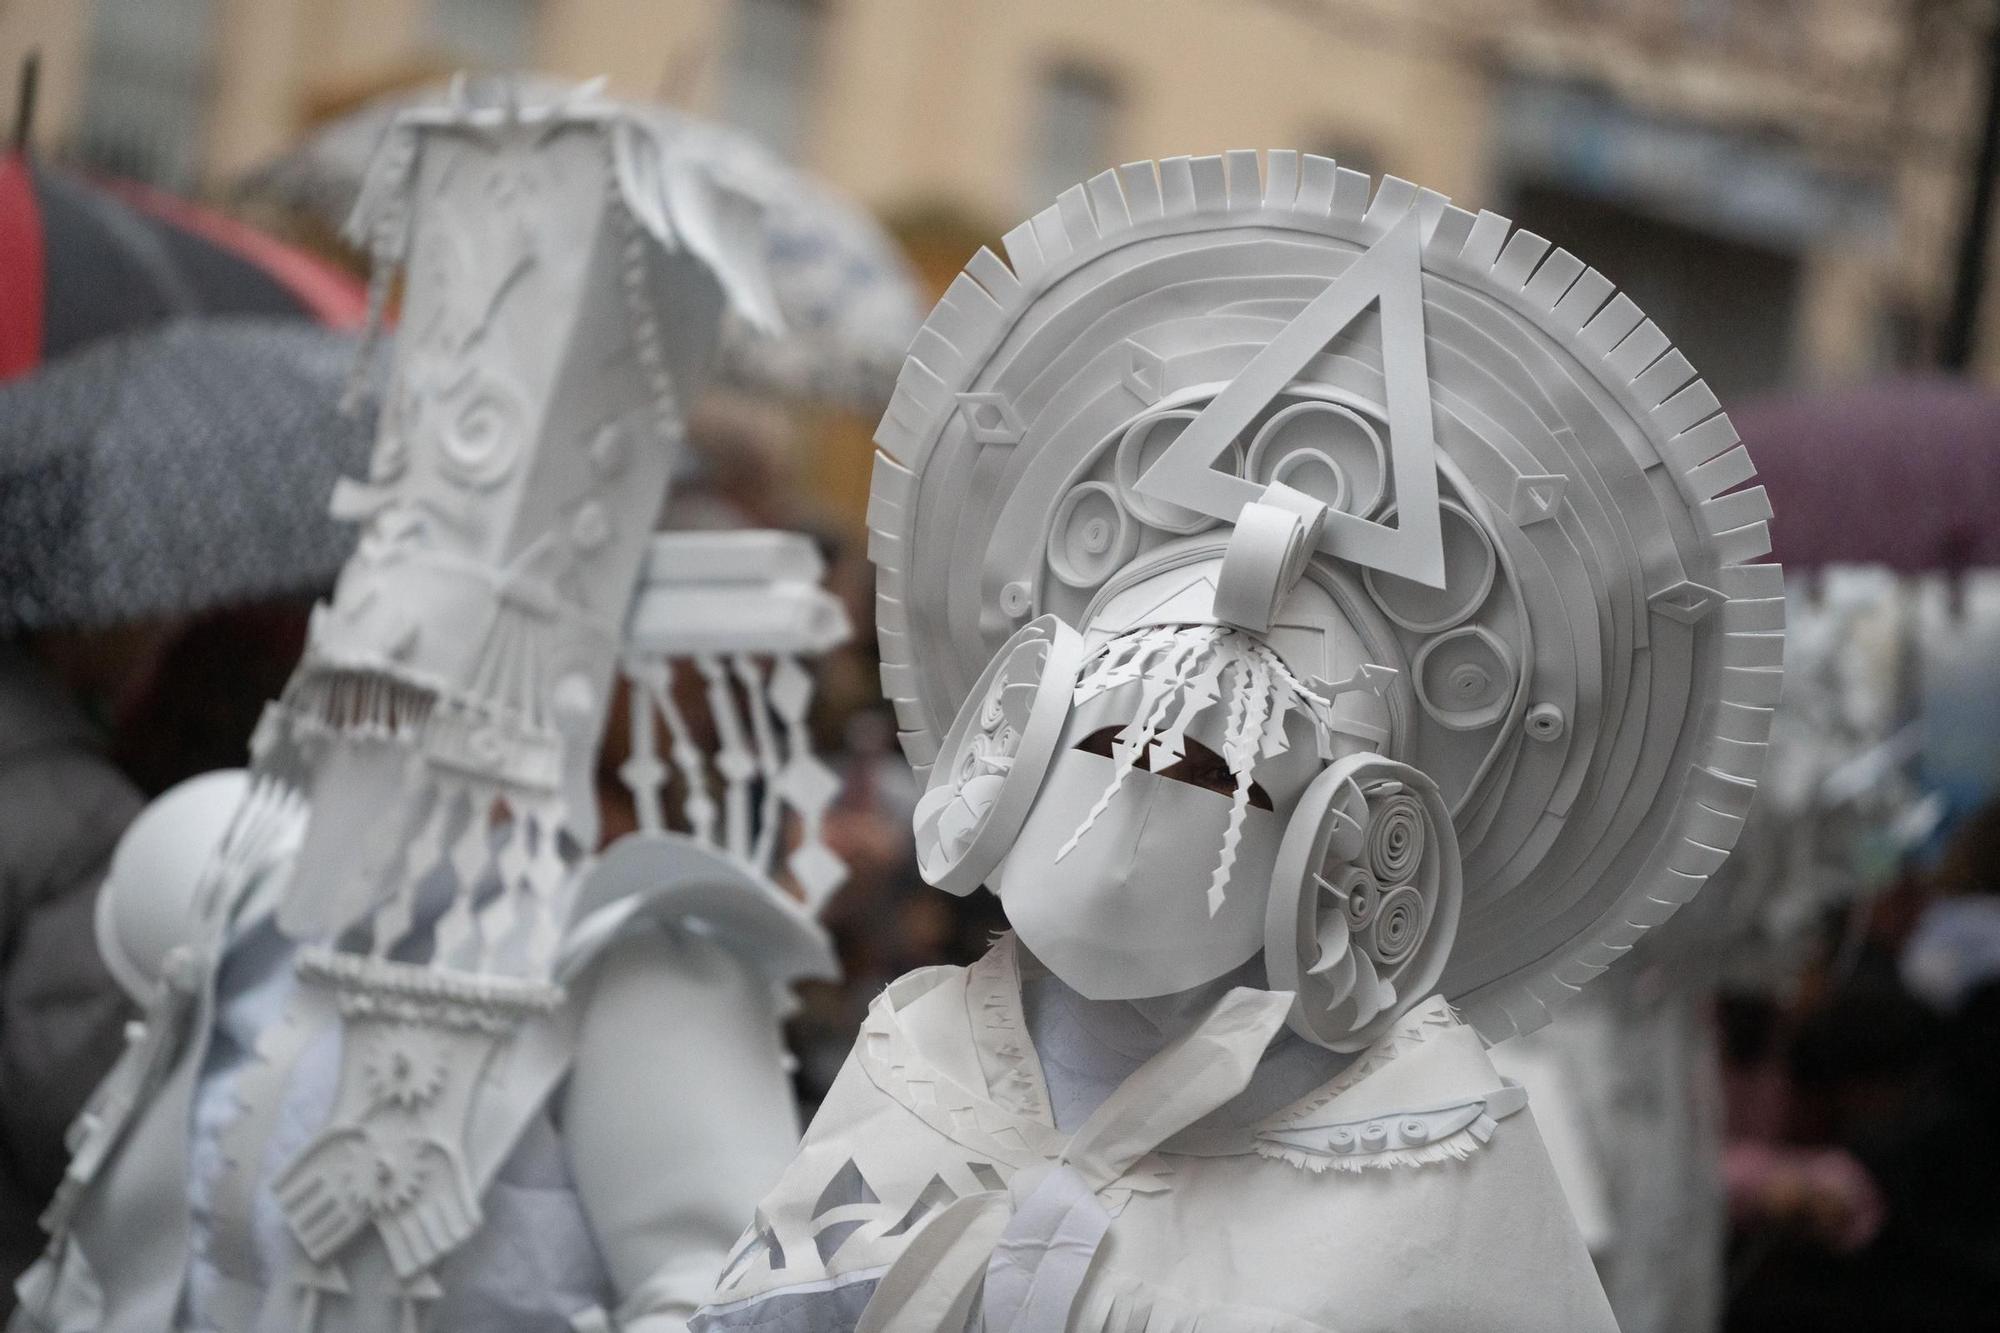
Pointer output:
x,y
62,808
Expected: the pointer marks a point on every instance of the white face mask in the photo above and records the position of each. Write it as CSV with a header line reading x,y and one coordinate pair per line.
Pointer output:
x,y
1125,914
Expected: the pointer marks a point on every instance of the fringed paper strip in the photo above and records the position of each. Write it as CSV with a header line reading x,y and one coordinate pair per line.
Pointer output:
x,y
1185,670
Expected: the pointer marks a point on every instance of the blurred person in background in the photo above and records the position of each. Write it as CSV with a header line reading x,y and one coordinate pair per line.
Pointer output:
x,y
63,804
1881,1207
149,516
92,724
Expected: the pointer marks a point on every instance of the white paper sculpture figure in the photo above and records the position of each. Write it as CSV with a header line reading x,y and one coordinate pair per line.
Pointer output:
x,y
1317,612
413,1059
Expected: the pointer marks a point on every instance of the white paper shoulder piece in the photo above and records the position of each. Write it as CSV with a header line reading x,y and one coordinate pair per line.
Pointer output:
x,y
671,880
921,1077
1541,536
1425,1093
184,846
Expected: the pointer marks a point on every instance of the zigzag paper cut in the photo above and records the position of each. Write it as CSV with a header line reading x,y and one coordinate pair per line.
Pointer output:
x,y
1388,275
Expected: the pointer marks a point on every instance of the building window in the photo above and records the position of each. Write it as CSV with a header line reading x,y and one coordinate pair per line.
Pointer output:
x,y
1076,113
145,97
769,63
485,34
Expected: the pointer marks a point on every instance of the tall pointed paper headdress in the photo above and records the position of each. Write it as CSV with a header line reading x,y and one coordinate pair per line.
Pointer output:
x,y
565,267
1537,524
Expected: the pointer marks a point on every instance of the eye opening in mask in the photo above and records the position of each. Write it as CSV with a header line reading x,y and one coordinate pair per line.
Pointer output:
x,y
1199,766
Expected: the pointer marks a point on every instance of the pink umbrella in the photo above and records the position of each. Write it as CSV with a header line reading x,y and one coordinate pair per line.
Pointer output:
x,y
1903,473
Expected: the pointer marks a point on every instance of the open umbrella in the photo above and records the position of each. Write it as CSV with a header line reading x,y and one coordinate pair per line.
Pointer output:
x,y
174,470
849,302
84,258
1903,473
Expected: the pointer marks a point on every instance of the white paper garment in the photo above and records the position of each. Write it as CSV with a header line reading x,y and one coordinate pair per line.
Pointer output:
x,y
933,1191
413,1057
1287,578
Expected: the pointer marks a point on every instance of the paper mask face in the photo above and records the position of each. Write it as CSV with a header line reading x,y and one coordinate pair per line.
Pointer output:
x,y
1122,910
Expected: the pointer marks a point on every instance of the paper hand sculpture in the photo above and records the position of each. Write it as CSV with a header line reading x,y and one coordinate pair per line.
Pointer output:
x,y
412,1058
1319,613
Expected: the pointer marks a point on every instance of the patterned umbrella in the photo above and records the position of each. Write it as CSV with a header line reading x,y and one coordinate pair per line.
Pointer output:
x,y
85,258
1904,473
174,470
849,301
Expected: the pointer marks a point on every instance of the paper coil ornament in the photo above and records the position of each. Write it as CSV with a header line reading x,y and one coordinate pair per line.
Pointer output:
x,y
995,755
1365,900
1537,516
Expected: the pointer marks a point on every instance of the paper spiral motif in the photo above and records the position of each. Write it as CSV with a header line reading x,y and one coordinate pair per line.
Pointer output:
x,y
1471,564
482,437
976,758
1091,537
1395,838
1359,901
1364,900
1330,452
1465,678
1139,448
1399,925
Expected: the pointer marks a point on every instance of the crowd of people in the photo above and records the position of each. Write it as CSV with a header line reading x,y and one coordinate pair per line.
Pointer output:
x,y
1858,1095
1859,1163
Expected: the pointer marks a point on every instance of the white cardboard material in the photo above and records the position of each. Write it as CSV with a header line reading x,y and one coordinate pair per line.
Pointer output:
x,y
438,1034
1568,686
936,1144
1404,688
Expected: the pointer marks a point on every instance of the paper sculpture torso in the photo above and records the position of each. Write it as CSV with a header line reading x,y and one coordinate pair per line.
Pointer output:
x,y
266,1090
1405,1192
245,1059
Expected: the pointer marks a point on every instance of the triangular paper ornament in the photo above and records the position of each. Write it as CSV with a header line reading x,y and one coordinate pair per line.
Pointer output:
x,y
1388,275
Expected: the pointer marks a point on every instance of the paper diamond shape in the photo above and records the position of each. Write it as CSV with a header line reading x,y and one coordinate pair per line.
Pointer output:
x,y
807,784
790,689
1145,373
818,871
1536,498
1687,602
991,417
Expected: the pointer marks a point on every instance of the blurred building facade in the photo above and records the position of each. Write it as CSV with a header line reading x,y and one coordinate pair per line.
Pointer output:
x,y
1779,183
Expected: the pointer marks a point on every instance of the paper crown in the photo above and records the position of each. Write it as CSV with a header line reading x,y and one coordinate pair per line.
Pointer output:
x,y
1537,516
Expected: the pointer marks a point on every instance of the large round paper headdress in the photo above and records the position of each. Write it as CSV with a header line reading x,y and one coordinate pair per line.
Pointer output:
x,y
1538,522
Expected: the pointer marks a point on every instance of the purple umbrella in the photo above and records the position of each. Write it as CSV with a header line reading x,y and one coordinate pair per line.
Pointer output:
x,y
1904,473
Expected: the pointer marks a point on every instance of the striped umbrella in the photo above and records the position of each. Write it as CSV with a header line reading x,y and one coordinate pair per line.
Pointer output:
x,y
176,469
84,258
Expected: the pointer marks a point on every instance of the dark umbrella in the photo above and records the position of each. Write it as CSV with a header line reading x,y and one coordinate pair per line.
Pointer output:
x,y
175,470
86,258
1904,473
